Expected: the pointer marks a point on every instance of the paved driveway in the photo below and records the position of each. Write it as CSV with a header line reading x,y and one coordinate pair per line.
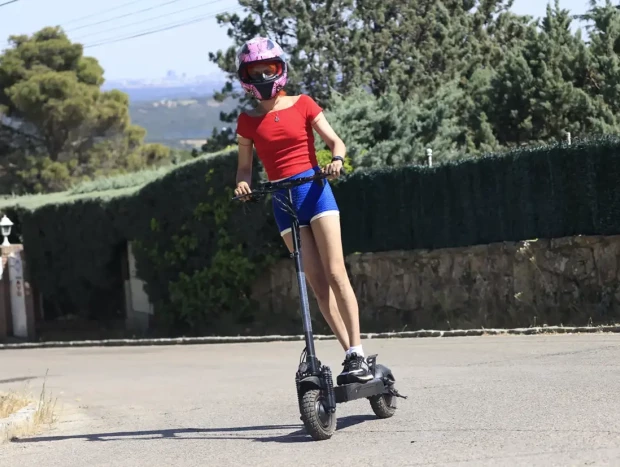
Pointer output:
x,y
475,401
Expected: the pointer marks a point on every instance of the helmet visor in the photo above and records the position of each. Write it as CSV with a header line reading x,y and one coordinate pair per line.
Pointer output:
x,y
264,70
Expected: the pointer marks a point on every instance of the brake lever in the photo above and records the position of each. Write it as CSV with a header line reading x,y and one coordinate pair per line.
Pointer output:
x,y
251,197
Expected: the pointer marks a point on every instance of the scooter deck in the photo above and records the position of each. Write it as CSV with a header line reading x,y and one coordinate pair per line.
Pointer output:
x,y
353,391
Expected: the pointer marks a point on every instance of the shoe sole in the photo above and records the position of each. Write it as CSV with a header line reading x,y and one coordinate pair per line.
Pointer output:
x,y
355,378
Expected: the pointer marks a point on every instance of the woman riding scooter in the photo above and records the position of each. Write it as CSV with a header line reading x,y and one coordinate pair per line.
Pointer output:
x,y
281,129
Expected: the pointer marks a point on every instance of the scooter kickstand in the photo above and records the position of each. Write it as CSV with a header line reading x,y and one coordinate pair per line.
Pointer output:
x,y
395,392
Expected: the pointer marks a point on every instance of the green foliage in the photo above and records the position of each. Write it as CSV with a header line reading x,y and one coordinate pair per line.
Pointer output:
x,y
133,179
543,192
217,296
324,157
540,91
205,294
404,46
185,229
58,127
219,140
601,62
380,131
463,78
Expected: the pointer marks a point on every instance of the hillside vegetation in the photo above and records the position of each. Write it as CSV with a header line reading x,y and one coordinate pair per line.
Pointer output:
x,y
180,123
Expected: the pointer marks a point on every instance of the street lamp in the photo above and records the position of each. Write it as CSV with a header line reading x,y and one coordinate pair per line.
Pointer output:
x,y
6,225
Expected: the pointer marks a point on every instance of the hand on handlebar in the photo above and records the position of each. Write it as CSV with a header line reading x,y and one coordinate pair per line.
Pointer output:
x,y
243,190
244,193
334,169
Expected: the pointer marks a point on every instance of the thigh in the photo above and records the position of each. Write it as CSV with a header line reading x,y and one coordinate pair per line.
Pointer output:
x,y
313,267
327,237
325,225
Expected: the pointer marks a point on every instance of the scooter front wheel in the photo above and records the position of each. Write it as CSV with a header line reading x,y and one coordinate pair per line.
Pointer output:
x,y
319,422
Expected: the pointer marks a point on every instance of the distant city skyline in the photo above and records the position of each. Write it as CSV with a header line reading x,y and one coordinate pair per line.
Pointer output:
x,y
176,35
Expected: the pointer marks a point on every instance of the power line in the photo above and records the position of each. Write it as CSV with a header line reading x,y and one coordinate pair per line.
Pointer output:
x,y
150,19
6,3
167,28
125,15
102,11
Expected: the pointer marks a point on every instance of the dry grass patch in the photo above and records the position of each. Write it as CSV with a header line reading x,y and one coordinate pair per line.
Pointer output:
x,y
44,413
12,402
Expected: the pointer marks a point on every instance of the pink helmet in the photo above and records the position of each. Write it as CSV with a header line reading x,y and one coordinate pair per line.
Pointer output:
x,y
259,50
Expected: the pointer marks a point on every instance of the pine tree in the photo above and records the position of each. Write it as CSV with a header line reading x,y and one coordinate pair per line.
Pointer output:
x,y
603,77
537,94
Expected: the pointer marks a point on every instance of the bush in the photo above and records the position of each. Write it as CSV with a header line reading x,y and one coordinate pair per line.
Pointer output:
x,y
181,222
324,157
386,131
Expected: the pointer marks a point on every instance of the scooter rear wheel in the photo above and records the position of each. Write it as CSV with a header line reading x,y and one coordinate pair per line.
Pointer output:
x,y
319,423
383,405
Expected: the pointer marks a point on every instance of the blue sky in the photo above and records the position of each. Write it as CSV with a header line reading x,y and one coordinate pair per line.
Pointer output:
x,y
184,49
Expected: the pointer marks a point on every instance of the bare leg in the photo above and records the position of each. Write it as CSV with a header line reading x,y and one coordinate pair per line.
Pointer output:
x,y
313,270
326,232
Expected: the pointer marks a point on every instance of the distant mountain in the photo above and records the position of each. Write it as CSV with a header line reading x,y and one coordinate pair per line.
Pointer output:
x,y
139,94
180,123
176,110
170,87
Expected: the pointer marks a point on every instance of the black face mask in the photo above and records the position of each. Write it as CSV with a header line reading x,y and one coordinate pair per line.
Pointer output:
x,y
265,90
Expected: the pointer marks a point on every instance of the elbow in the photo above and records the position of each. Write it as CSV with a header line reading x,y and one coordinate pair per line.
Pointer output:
x,y
336,145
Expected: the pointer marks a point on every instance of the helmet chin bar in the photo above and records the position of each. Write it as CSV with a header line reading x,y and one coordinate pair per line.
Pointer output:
x,y
265,90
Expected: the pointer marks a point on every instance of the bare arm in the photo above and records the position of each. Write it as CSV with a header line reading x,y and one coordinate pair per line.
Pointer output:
x,y
244,166
325,130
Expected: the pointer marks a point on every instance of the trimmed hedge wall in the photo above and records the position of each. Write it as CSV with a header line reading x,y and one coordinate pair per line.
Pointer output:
x,y
545,192
199,252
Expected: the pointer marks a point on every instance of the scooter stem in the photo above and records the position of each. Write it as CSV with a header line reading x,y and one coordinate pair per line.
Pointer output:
x,y
303,292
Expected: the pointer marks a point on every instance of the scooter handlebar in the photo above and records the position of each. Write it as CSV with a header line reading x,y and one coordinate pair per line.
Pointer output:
x,y
270,187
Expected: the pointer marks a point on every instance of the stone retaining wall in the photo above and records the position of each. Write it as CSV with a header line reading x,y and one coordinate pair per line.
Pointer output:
x,y
569,281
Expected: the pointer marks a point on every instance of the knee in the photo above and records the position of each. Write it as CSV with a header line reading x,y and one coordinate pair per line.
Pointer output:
x,y
337,275
319,285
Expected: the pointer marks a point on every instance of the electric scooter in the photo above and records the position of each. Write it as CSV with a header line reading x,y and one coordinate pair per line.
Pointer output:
x,y
316,394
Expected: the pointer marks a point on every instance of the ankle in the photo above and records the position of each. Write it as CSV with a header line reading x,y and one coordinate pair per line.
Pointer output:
x,y
356,349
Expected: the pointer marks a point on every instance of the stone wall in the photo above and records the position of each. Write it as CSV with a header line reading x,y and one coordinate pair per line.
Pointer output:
x,y
567,281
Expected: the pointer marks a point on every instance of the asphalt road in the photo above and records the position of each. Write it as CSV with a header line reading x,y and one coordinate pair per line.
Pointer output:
x,y
473,401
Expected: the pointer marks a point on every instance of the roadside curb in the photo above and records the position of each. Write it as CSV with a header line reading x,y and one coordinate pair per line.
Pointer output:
x,y
22,417
277,338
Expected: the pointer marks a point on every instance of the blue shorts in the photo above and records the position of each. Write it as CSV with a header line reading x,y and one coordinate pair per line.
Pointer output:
x,y
310,200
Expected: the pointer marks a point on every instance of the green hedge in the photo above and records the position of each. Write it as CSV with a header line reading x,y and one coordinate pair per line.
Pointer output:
x,y
540,192
199,252
75,244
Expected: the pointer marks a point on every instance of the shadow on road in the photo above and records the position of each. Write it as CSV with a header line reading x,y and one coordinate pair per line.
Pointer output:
x,y
298,436
17,380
